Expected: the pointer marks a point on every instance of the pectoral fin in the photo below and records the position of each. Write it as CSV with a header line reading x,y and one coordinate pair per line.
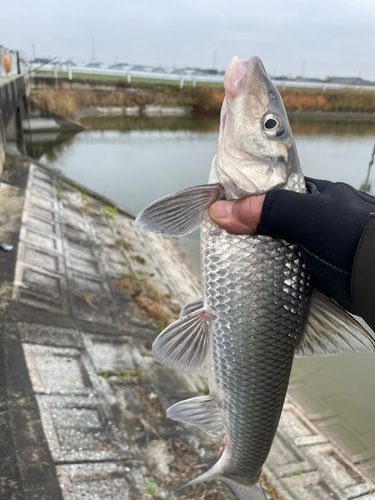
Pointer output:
x,y
183,346
330,330
202,411
180,213
190,307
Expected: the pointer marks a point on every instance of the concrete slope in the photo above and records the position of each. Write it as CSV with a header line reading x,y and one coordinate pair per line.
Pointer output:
x,y
82,401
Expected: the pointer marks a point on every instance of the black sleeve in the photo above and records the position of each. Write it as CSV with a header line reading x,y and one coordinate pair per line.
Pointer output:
x,y
326,224
363,274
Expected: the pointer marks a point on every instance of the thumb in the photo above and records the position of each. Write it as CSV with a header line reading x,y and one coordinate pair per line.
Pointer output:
x,y
240,216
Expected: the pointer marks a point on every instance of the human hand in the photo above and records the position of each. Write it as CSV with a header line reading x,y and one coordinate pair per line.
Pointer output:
x,y
326,224
240,216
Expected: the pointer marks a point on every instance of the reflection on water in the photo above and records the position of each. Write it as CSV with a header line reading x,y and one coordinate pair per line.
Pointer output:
x,y
51,145
135,160
172,123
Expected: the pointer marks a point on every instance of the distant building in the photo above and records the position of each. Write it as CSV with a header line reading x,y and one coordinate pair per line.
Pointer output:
x,y
119,66
94,65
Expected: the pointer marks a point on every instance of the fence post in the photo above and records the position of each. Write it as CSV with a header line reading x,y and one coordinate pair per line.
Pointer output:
x,y
129,77
70,73
194,82
55,71
13,57
181,82
2,65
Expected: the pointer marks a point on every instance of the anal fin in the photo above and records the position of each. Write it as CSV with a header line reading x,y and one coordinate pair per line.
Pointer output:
x,y
330,330
190,307
202,411
183,346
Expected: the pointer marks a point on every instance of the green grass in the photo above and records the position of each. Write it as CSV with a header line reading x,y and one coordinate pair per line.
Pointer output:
x,y
111,212
150,486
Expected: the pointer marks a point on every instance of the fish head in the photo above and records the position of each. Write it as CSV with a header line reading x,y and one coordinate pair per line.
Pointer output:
x,y
256,150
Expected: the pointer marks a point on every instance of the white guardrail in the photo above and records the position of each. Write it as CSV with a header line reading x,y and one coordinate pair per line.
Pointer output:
x,y
173,77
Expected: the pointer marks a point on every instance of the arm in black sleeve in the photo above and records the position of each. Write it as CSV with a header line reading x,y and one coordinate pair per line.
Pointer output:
x,y
328,225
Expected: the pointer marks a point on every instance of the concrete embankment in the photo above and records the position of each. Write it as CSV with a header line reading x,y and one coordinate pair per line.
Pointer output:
x,y
84,293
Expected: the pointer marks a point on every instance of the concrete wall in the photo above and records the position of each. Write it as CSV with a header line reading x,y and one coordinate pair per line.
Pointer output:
x,y
12,95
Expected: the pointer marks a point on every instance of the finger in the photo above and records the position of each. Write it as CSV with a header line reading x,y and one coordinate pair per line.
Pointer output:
x,y
240,216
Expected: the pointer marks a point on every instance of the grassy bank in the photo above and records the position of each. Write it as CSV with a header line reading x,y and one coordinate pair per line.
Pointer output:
x,y
202,100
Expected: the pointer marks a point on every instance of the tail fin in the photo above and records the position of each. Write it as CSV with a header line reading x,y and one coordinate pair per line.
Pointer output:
x,y
241,492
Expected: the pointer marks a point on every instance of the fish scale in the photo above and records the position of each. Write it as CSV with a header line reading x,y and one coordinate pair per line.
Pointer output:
x,y
257,292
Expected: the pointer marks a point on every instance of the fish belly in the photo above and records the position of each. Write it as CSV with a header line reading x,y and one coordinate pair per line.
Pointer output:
x,y
257,291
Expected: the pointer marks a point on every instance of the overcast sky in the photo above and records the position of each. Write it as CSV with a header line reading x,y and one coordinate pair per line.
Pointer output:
x,y
333,37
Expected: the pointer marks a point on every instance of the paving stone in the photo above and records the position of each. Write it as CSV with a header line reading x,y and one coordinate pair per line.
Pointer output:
x,y
93,308
41,212
49,335
42,201
42,175
40,280
78,222
85,265
105,481
73,209
96,286
45,226
72,232
116,355
309,486
285,459
42,258
56,370
49,242
40,301
297,428
77,247
77,430
43,182
335,467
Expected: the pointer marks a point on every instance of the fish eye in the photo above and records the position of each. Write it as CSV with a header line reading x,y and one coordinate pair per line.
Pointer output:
x,y
273,126
272,96
270,123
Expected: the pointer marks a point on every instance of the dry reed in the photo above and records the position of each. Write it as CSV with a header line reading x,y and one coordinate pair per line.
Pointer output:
x,y
201,100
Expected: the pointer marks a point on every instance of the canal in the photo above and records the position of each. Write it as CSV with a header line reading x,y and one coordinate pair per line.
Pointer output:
x,y
135,160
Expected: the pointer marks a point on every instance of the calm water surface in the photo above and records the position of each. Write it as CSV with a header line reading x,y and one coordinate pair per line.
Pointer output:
x,y
135,160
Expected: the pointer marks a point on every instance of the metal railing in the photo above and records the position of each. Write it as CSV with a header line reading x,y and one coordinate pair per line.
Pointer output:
x,y
129,74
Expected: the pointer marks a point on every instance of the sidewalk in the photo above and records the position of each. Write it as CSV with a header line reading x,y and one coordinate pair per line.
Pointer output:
x,y
82,402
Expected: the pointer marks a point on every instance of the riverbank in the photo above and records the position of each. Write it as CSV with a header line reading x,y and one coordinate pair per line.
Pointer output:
x,y
133,99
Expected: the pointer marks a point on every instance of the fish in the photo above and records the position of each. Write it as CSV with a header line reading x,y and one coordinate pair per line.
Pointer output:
x,y
259,308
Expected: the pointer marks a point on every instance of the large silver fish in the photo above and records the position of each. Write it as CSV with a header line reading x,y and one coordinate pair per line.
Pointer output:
x,y
259,309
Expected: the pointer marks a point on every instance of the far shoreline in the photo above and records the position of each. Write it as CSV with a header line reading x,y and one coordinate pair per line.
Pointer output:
x,y
158,111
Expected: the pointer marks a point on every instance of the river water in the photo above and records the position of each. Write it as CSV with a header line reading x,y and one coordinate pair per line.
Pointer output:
x,y
135,160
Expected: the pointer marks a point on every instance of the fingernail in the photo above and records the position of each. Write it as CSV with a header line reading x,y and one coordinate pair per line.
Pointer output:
x,y
222,209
